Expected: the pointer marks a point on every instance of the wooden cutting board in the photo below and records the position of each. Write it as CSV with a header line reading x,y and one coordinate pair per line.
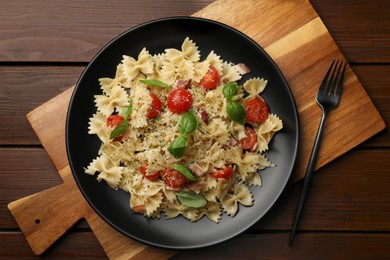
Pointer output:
x,y
295,37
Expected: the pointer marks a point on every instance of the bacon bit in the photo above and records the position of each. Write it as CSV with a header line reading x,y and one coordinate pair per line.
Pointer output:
x,y
139,208
198,170
194,186
242,69
204,115
185,83
233,141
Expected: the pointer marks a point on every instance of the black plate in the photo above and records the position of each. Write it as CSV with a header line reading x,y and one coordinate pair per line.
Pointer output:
x,y
156,36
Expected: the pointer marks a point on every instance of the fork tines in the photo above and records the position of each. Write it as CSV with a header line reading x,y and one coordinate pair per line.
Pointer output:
x,y
333,80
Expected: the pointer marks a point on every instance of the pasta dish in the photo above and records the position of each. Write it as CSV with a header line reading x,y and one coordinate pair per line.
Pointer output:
x,y
182,134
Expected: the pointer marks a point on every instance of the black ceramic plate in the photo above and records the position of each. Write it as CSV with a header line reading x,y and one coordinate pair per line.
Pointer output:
x,y
156,36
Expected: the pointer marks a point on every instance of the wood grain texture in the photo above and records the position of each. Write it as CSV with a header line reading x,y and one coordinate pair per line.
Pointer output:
x,y
14,246
342,197
52,138
44,227
268,246
75,30
25,88
376,82
309,246
355,206
361,30
23,172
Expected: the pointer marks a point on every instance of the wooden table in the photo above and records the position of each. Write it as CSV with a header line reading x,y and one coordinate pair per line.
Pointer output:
x,y
45,45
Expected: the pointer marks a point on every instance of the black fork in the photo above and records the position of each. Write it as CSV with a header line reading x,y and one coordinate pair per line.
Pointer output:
x,y
328,97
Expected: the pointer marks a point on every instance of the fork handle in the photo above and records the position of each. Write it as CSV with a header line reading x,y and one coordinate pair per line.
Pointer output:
x,y
308,177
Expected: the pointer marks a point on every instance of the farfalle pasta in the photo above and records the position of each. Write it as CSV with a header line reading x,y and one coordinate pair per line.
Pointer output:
x,y
180,135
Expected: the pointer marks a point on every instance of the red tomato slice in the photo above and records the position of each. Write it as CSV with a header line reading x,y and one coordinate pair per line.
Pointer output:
x,y
113,121
173,179
149,177
224,173
256,110
249,140
179,100
156,107
211,79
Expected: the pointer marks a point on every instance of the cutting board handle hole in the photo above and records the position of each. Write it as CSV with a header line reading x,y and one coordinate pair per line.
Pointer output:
x,y
37,221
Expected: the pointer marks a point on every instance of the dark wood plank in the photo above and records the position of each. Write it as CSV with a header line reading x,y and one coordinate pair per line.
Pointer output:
x,y
75,30
361,30
382,139
355,198
376,82
261,246
306,246
24,88
23,173
374,78
80,245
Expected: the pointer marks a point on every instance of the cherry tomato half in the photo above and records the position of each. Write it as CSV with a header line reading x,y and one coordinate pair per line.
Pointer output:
x,y
211,79
179,100
172,178
256,110
149,177
113,121
223,173
156,107
249,140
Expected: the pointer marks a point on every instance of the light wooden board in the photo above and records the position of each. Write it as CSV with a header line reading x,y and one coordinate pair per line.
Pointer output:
x,y
295,37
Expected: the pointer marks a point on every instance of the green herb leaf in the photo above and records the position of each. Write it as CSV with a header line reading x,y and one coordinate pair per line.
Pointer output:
x,y
188,123
178,146
155,82
234,98
120,129
191,199
126,111
230,90
236,112
181,168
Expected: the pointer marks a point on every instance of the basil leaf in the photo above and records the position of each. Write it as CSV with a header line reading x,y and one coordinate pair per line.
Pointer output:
x,y
230,90
236,112
234,98
188,123
181,168
178,146
155,82
120,129
126,111
191,199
